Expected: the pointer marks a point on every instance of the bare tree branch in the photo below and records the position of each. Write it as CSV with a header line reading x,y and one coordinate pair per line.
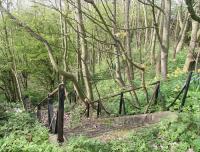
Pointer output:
x,y
191,10
152,4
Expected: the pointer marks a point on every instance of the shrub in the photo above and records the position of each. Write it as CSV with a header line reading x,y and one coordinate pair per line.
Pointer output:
x,y
22,133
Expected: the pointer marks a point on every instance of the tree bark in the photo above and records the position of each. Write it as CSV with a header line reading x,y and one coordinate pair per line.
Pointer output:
x,y
146,25
193,42
84,52
118,74
130,73
154,38
165,39
182,35
63,31
191,10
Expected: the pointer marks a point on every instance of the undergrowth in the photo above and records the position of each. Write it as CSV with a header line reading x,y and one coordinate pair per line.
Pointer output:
x,y
179,136
20,132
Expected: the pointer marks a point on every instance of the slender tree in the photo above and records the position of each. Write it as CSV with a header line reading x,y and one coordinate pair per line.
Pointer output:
x,y
165,38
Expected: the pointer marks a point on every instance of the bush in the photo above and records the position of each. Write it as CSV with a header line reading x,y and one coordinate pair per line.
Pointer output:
x,y
75,116
83,144
22,133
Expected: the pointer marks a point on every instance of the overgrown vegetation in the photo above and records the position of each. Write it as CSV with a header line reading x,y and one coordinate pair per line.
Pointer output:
x,y
95,49
20,132
181,135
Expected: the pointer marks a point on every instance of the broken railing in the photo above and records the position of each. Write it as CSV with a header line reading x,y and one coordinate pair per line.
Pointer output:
x,y
56,121
122,106
190,79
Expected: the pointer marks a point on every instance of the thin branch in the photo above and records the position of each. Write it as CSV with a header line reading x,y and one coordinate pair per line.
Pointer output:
x,y
114,38
152,4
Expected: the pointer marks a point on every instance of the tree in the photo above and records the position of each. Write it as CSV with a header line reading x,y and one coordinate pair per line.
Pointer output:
x,y
193,42
67,75
191,10
182,35
117,48
165,38
84,52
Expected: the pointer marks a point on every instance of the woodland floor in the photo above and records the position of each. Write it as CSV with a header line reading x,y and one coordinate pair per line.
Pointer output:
x,y
106,129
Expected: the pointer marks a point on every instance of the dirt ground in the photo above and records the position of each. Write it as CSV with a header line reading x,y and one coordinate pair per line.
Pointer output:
x,y
116,127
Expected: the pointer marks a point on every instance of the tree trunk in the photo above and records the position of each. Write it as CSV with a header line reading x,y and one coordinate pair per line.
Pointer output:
x,y
146,25
159,35
165,39
182,35
63,31
128,39
193,42
154,38
84,53
117,48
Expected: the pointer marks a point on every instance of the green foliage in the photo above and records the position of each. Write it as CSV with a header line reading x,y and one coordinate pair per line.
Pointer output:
x,y
22,133
180,135
75,116
34,95
3,118
83,144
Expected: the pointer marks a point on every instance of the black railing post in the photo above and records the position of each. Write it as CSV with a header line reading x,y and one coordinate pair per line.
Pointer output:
x,y
39,113
50,112
183,88
122,107
186,91
121,103
88,110
157,91
61,98
98,109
